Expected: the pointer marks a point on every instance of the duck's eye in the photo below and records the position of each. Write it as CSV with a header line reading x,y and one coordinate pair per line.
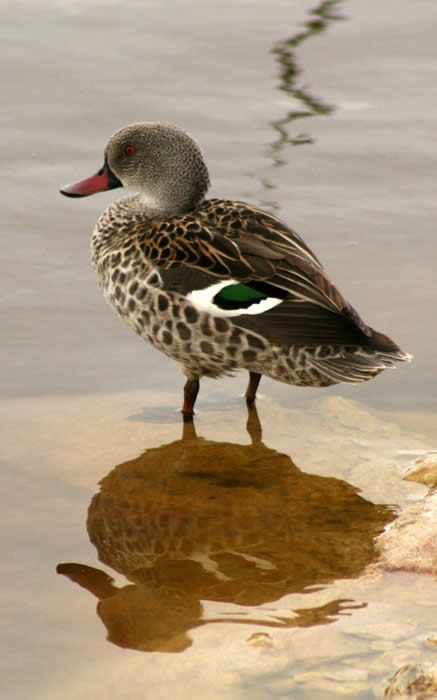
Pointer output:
x,y
130,150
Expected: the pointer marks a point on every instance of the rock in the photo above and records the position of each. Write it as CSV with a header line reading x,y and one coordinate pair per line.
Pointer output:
x,y
261,640
413,680
423,470
410,542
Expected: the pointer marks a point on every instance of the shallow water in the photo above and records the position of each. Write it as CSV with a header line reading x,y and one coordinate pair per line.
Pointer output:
x,y
235,565
239,565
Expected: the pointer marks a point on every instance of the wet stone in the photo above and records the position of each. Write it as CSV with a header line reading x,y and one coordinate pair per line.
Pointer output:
x,y
413,680
423,470
260,640
411,542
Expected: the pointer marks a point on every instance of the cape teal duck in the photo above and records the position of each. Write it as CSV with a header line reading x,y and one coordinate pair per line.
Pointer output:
x,y
218,285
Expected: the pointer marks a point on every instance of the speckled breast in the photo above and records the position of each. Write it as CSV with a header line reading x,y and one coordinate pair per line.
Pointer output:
x,y
203,344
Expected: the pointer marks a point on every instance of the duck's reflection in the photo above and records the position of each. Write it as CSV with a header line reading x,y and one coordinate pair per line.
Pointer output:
x,y
197,520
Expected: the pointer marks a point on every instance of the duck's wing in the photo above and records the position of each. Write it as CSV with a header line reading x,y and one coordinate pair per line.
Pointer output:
x,y
232,240
260,272
262,237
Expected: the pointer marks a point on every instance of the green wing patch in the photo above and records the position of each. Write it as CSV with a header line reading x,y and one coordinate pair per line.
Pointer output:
x,y
242,296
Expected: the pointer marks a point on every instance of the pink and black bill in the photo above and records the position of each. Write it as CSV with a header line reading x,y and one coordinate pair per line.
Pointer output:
x,y
100,182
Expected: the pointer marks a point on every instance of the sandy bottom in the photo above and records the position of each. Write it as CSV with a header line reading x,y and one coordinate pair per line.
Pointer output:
x,y
225,560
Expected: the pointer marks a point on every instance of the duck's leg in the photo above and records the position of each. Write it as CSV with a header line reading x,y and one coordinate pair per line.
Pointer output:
x,y
253,425
188,431
254,380
191,389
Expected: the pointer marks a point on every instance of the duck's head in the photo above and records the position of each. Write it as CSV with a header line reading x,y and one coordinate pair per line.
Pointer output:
x,y
158,160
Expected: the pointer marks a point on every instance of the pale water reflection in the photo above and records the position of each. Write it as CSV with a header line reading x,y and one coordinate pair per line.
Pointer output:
x,y
198,520
245,555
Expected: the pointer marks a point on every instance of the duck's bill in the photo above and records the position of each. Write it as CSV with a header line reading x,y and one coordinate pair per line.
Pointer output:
x,y
100,182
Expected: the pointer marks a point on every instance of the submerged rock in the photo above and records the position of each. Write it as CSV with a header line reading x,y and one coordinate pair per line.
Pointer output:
x,y
423,470
261,640
410,542
413,680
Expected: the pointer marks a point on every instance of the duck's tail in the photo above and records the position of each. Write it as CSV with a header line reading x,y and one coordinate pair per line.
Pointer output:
x,y
358,364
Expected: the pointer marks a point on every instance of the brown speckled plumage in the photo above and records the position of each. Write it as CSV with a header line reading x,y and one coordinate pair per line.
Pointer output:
x,y
157,251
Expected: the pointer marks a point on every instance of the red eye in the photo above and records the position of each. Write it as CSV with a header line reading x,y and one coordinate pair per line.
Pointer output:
x,y
130,150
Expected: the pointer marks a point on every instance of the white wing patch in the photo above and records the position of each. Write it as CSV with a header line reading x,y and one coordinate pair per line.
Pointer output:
x,y
202,299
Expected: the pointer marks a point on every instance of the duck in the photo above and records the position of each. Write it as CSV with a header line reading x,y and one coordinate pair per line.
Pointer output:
x,y
218,285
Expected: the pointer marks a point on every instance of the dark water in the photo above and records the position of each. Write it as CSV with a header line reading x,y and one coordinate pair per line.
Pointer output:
x,y
234,563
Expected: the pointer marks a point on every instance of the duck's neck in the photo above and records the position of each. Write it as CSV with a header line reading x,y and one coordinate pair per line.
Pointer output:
x,y
147,207
154,206
174,189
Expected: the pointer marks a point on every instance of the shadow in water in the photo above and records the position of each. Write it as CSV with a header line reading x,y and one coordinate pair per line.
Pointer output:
x,y
197,520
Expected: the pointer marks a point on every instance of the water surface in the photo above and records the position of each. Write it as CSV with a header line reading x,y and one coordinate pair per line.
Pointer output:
x,y
229,563
238,76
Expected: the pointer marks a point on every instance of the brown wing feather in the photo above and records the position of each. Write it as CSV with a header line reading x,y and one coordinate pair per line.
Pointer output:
x,y
237,241
274,251
232,239
183,240
308,324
